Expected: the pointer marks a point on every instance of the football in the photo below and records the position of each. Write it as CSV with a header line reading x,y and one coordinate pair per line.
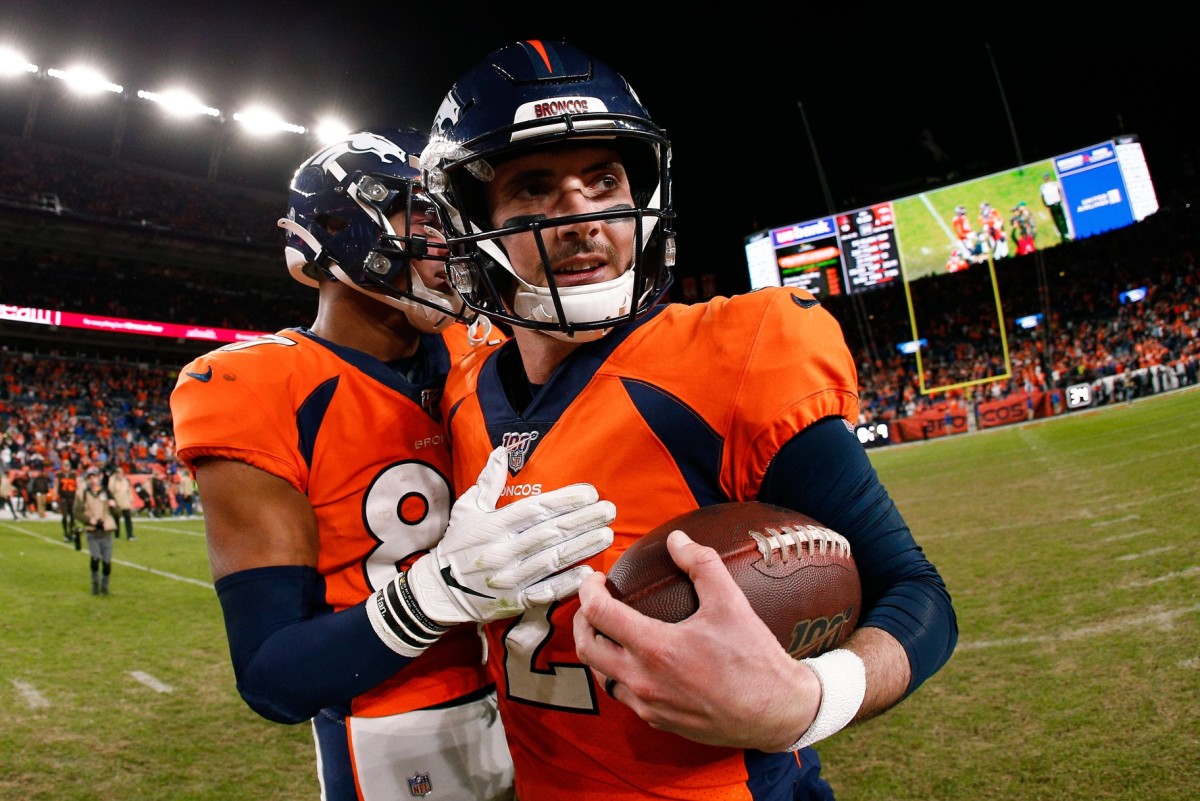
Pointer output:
x,y
798,575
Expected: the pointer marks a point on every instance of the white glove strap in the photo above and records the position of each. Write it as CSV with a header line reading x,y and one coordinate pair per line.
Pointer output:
x,y
398,620
843,680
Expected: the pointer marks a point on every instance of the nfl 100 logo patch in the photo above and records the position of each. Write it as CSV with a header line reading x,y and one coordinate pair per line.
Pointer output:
x,y
519,445
419,785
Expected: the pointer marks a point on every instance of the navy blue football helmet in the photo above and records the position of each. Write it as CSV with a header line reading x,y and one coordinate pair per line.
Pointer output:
x,y
531,95
341,201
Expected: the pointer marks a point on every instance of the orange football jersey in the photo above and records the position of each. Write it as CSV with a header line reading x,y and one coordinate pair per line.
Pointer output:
x,y
366,446
682,409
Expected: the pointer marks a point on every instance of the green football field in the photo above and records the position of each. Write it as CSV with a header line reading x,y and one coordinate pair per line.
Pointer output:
x,y
1069,546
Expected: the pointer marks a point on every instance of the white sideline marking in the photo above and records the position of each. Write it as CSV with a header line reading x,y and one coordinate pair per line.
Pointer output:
x,y
1128,536
1161,619
1190,663
1129,557
165,574
1187,572
1124,519
29,694
151,682
163,524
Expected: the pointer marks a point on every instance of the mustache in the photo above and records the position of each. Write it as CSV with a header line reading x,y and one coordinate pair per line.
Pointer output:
x,y
584,247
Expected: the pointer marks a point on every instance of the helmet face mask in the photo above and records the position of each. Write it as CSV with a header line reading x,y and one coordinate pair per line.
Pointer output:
x,y
358,214
528,97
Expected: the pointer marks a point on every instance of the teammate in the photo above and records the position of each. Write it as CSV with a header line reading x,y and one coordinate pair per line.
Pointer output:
x,y
121,489
961,224
325,474
556,183
7,493
991,228
956,262
68,483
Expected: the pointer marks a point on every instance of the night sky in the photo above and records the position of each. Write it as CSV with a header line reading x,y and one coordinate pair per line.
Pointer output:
x,y
989,89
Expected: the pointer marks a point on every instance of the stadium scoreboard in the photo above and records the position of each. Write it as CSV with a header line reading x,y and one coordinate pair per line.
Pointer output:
x,y
1104,186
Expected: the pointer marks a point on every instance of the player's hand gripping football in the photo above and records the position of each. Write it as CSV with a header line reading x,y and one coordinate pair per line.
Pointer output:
x,y
494,563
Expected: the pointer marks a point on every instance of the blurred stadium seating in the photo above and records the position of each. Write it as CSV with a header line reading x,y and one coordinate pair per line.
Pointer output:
x,y
79,232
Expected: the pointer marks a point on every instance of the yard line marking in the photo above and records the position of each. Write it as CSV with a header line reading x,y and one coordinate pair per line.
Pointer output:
x,y
151,682
1127,536
164,574
1185,573
1162,619
1124,519
29,694
163,524
1129,557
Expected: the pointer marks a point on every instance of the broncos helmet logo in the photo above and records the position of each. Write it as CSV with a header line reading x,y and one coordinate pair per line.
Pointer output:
x,y
360,144
448,114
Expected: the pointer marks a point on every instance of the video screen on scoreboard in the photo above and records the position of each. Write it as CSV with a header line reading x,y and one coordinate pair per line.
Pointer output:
x,y
952,228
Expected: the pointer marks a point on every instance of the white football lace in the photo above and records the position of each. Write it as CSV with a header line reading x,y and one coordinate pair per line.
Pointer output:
x,y
783,540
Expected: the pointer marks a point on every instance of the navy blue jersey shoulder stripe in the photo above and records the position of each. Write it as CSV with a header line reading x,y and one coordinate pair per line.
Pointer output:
x,y
692,443
311,414
434,354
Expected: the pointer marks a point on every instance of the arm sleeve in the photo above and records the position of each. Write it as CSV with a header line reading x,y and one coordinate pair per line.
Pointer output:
x,y
824,472
292,655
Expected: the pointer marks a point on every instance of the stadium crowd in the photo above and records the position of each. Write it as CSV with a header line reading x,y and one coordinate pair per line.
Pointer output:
x,y
66,408
62,416
95,186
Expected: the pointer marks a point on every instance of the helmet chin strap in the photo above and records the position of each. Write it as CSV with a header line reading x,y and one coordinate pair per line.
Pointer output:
x,y
427,318
293,227
424,318
479,330
297,261
581,304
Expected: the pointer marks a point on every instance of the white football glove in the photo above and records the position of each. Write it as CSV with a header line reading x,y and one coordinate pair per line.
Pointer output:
x,y
494,563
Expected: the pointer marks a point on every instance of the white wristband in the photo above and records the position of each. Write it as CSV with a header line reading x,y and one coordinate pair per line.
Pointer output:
x,y
843,680
399,621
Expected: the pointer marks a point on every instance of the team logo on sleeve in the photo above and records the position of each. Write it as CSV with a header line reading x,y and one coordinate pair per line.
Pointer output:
x,y
419,785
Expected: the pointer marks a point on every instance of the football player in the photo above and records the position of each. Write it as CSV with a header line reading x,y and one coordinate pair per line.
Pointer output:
x,y
557,186
341,568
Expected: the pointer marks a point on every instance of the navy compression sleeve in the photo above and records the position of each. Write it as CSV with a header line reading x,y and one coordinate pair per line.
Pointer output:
x,y
824,472
292,655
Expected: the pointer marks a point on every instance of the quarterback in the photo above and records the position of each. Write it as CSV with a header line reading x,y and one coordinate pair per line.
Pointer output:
x,y
557,188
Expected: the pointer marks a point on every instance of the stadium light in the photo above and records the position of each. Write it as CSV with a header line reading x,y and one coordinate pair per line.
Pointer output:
x,y
179,103
329,130
260,121
14,63
256,121
85,80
